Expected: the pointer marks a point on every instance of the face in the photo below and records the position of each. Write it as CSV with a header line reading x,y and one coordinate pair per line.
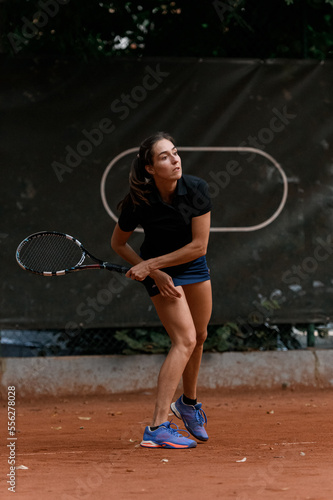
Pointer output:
x,y
166,162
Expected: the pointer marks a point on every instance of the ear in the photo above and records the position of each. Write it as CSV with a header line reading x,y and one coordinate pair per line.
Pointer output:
x,y
149,169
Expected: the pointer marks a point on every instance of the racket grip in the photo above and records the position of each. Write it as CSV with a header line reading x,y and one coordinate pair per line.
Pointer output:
x,y
121,269
114,267
124,269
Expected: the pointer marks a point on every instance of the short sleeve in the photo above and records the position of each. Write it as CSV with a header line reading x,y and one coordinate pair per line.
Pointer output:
x,y
128,219
201,198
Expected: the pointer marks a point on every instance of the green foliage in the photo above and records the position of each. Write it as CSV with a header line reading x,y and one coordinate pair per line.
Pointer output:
x,y
97,30
228,337
233,337
138,340
223,338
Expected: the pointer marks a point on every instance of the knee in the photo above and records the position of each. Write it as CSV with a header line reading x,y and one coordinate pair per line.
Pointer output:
x,y
201,337
188,343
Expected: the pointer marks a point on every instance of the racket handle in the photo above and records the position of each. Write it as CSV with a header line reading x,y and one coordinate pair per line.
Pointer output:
x,y
116,268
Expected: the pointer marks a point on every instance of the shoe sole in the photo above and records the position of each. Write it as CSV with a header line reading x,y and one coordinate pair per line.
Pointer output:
x,y
175,411
178,415
151,444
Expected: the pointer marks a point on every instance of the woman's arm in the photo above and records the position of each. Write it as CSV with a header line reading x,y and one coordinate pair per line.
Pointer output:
x,y
119,244
121,247
191,251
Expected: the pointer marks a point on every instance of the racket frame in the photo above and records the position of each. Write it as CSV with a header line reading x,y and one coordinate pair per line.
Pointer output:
x,y
99,264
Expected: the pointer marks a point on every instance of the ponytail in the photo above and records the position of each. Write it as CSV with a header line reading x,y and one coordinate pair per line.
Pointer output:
x,y
141,184
140,181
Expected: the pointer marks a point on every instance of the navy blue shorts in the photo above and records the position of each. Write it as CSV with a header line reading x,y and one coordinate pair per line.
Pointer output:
x,y
193,272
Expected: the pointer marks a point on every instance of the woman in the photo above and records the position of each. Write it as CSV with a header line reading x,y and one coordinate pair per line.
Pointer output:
x,y
174,212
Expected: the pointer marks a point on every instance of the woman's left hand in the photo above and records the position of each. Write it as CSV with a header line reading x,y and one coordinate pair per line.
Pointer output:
x,y
139,272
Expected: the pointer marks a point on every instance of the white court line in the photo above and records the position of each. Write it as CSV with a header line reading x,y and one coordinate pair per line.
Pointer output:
x,y
208,149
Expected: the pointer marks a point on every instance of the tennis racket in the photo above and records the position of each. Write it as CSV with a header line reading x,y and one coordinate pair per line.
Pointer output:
x,y
49,253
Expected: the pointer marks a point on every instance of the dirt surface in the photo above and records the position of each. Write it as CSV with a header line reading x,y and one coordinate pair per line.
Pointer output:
x,y
262,445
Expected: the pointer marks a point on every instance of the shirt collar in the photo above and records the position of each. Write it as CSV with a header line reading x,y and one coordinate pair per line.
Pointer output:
x,y
181,190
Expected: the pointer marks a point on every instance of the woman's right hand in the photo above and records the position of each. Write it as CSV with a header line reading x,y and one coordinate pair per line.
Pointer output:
x,y
165,284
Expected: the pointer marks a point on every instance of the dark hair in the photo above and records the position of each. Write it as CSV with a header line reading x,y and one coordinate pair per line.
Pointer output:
x,y
140,181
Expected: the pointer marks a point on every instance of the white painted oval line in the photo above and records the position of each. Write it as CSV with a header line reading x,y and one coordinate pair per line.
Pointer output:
x,y
208,149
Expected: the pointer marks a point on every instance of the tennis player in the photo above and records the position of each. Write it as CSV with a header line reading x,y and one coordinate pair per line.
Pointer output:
x,y
174,212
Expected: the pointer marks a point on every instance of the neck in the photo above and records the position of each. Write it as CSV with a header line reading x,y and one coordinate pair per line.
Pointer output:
x,y
166,190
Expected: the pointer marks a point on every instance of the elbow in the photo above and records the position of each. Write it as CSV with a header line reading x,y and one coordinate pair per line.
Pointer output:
x,y
115,245
200,249
116,248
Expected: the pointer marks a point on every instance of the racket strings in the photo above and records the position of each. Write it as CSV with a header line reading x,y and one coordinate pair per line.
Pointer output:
x,y
50,253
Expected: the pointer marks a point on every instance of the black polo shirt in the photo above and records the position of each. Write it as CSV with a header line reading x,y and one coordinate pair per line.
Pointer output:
x,y
167,227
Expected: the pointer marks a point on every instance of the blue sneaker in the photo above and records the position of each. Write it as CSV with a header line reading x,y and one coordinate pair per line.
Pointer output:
x,y
166,437
193,417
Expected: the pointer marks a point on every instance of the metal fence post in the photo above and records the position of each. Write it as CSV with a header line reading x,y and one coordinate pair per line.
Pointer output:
x,y
311,336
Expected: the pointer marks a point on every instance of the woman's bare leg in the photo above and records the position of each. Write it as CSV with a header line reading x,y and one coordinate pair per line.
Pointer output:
x,y
199,299
176,318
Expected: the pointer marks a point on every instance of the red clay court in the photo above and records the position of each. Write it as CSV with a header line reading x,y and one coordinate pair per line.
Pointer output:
x,y
263,445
